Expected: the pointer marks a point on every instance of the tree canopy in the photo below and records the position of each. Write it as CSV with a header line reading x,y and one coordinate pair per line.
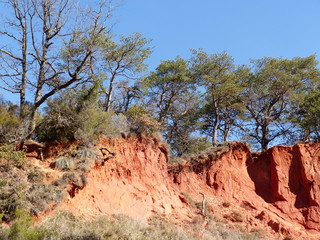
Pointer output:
x,y
74,77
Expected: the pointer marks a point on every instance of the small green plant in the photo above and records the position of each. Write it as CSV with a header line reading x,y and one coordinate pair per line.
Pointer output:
x,y
77,179
21,228
10,125
64,163
13,157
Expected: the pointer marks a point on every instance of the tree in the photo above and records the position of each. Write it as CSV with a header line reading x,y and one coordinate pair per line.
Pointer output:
x,y
123,61
46,50
171,97
217,74
167,86
307,116
270,95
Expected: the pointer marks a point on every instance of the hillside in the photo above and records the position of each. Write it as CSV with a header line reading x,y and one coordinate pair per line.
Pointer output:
x,y
273,195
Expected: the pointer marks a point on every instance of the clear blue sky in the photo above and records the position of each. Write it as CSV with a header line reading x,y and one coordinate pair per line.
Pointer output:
x,y
246,29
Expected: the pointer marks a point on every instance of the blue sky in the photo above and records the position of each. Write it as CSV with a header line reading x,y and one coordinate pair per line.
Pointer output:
x,y
247,29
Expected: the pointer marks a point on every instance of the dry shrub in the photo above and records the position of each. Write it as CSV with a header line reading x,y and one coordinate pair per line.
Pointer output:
x,y
64,163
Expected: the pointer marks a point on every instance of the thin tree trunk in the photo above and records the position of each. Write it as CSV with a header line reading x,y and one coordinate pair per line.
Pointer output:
x,y
265,137
226,134
110,92
24,75
215,124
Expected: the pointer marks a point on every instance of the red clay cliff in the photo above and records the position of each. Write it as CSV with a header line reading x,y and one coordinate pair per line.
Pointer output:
x,y
277,190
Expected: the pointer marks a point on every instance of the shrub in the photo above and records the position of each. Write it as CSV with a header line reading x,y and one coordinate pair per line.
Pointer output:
x,y
12,196
9,124
21,228
77,179
141,122
63,163
13,157
41,196
84,165
35,176
234,217
75,115
87,153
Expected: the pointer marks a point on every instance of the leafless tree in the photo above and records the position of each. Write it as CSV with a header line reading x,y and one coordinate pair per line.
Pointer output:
x,y
47,46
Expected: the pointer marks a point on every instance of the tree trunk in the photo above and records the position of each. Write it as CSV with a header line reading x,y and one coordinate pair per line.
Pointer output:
x,y
109,94
215,124
226,134
24,75
265,137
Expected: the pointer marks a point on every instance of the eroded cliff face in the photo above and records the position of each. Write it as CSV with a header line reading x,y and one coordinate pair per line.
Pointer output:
x,y
279,187
131,180
277,190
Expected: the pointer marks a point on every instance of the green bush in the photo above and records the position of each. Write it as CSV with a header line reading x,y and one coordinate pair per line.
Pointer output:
x,y
21,228
75,115
35,176
9,124
13,157
141,122
12,194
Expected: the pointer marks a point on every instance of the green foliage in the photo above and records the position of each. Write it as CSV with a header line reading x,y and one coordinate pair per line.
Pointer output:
x,y
9,124
12,157
220,107
75,115
35,176
195,145
173,100
169,88
122,60
307,116
21,228
77,179
141,122
12,194
271,93
66,226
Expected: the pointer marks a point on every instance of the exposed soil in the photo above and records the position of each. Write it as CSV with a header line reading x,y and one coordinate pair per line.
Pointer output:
x,y
277,191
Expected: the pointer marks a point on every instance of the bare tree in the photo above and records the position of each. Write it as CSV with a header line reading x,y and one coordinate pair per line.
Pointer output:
x,y
49,47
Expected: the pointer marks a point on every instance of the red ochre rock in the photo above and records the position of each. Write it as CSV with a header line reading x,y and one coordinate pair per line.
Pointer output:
x,y
278,189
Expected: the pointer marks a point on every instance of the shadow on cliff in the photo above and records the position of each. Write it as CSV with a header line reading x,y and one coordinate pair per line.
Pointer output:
x,y
298,181
259,171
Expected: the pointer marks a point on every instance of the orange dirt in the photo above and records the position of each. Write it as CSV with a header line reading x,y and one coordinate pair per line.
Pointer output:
x,y
277,190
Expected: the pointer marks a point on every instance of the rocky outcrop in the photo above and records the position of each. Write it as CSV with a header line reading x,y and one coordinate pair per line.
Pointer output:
x,y
281,185
132,179
277,190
